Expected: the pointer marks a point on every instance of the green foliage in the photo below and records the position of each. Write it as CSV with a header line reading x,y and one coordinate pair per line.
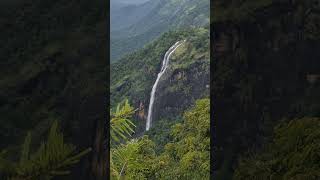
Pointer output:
x,y
121,125
128,158
188,155
52,158
292,154
160,133
133,160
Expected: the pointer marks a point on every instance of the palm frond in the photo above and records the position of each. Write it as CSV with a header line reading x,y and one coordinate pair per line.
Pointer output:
x,y
121,125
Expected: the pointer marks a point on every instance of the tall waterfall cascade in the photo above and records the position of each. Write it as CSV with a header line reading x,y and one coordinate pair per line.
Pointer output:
x,y
165,64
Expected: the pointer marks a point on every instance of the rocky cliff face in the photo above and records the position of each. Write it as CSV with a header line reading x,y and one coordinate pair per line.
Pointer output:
x,y
179,88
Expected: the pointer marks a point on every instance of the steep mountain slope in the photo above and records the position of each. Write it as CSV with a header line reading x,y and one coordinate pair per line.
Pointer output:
x,y
165,15
125,15
186,79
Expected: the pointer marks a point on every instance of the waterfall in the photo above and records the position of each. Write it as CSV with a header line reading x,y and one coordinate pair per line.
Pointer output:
x,y
164,66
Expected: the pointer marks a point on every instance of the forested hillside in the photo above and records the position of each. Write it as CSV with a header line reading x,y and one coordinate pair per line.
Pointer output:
x,y
152,19
266,71
186,79
52,67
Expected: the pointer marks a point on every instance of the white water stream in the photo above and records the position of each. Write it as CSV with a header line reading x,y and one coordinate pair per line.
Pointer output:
x,y
164,66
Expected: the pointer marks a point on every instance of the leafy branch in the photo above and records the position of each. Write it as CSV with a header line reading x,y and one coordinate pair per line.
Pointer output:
x,y
121,125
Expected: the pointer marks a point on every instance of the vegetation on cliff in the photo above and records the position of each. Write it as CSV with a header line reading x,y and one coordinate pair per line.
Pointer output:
x,y
187,75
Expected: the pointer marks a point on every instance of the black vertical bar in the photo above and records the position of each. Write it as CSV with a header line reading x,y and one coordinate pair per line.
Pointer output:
x,y
108,93
212,120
